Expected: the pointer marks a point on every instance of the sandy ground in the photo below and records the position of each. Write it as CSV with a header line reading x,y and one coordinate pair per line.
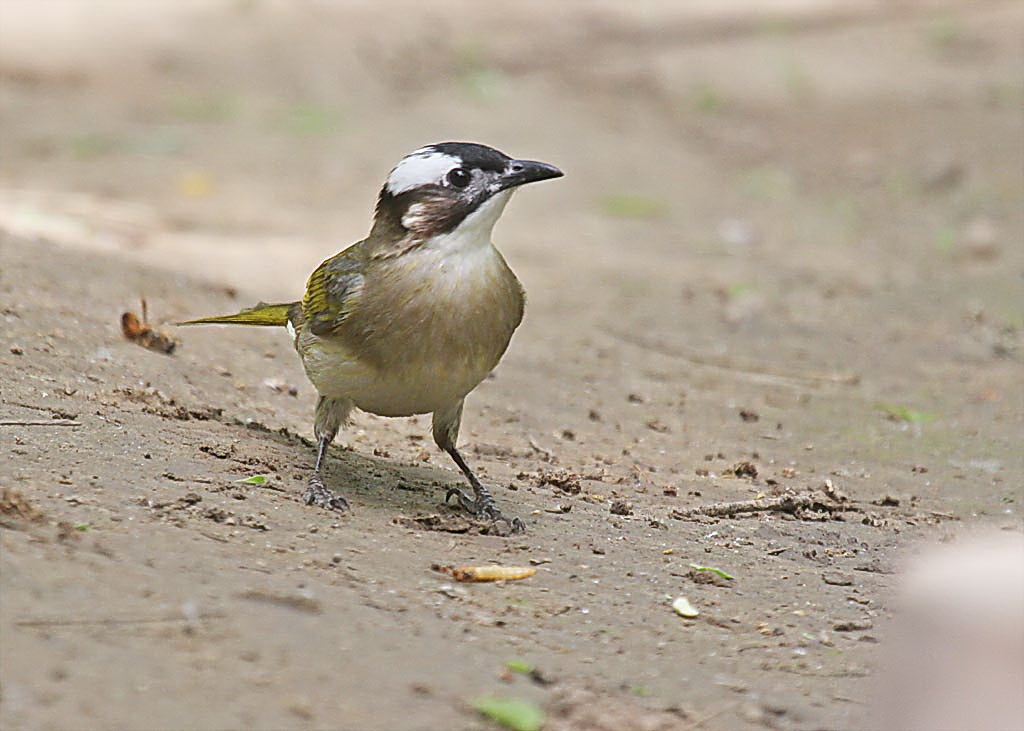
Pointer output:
x,y
786,259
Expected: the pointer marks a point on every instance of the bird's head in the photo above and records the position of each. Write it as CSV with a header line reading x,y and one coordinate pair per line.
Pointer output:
x,y
444,188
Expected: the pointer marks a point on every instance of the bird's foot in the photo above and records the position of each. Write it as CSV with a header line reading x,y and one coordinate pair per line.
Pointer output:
x,y
318,494
484,508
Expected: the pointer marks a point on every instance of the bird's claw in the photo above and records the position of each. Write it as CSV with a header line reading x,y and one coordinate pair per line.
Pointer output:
x,y
318,494
484,508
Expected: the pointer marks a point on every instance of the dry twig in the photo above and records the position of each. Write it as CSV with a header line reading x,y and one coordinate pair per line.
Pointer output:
x,y
781,504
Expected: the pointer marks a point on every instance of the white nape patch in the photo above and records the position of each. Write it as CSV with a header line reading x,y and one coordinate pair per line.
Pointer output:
x,y
291,330
420,168
474,232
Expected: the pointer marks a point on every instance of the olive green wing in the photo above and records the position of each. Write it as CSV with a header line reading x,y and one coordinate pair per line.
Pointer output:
x,y
333,290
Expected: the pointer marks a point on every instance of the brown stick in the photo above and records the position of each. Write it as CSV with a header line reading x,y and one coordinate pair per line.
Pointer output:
x,y
782,504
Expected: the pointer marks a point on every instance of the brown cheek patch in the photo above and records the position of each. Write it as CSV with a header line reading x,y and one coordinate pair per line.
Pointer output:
x,y
434,215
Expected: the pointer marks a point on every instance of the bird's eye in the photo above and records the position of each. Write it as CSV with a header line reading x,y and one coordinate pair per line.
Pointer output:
x,y
459,177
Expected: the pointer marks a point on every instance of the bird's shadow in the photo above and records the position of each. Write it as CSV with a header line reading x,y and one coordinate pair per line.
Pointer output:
x,y
380,483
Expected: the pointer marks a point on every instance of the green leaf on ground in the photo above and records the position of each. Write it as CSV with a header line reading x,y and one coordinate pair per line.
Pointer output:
x,y
254,480
514,713
902,413
712,569
519,666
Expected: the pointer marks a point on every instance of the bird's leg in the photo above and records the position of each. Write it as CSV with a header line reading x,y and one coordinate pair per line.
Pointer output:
x,y
316,492
330,414
482,504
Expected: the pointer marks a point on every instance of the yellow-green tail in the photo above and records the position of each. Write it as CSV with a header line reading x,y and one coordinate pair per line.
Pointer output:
x,y
262,315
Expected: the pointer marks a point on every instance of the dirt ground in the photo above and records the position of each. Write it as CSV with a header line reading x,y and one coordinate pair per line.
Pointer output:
x,y
787,258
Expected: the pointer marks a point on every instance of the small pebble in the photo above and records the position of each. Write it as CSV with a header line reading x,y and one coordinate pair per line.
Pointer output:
x,y
853,625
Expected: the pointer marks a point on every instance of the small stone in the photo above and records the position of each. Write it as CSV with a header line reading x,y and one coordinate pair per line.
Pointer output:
x,y
17,350
853,625
837,579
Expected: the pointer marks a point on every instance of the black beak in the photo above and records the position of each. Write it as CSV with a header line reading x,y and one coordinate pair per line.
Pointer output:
x,y
521,172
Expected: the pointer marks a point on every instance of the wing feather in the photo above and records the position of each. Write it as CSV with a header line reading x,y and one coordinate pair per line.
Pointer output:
x,y
333,290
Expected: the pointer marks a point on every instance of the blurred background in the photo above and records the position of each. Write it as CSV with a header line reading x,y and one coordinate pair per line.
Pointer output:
x,y
740,178
811,208
854,140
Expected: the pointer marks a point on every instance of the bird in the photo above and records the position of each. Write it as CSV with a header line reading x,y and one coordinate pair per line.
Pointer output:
x,y
413,317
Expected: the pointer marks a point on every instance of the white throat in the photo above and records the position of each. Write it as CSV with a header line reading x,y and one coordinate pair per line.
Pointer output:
x,y
474,232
